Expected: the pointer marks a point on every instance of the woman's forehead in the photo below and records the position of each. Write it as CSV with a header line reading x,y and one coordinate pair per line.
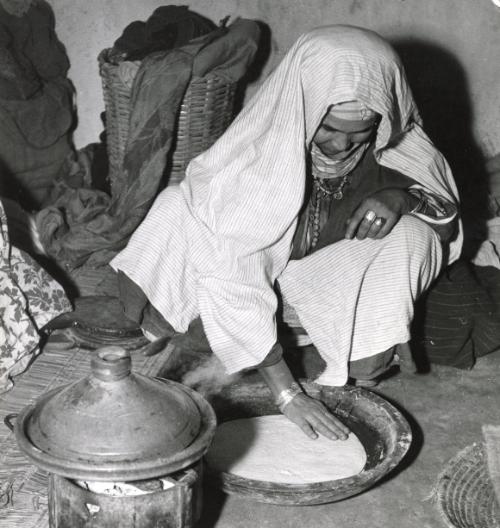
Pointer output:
x,y
348,126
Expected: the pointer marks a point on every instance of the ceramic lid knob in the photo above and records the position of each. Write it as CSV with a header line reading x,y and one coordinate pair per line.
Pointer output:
x,y
111,363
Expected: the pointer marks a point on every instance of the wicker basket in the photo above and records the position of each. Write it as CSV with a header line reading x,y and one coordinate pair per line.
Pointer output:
x,y
205,113
465,493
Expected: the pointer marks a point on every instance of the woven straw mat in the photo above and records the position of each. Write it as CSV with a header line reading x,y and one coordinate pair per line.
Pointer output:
x,y
23,487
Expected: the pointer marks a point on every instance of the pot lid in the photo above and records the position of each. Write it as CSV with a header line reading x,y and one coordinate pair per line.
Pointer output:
x,y
114,424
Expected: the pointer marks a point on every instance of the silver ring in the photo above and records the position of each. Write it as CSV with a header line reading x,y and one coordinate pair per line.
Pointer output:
x,y
379,222
370,216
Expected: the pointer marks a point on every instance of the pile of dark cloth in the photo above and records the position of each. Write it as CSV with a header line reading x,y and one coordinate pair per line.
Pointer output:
x,y
167,28
87,227
36,109
458,319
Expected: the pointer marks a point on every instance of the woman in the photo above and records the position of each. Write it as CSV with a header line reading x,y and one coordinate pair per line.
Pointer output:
x,y
326,187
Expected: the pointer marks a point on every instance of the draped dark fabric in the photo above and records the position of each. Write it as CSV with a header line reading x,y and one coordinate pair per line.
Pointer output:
x,y
36,107
458,320
85,225
168,27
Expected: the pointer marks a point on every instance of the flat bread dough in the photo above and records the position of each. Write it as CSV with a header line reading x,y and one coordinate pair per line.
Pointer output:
x,y
273,449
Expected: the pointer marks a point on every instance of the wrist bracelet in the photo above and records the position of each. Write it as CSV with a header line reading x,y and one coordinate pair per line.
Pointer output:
x,y
287,395
420,204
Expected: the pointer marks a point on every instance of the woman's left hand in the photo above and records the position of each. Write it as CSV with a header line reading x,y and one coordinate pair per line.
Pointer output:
x,y
378,214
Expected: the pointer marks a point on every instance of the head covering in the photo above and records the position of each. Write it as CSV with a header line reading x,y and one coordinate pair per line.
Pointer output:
x,y
352,111
263,152
241,198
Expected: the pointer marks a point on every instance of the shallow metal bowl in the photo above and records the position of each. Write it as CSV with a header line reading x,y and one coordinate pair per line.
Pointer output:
x,y
381,428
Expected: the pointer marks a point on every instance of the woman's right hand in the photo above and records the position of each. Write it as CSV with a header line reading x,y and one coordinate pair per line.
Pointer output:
x,y
314,418
309,414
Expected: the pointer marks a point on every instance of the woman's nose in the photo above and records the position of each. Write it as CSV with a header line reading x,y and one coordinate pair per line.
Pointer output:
x,y
341,142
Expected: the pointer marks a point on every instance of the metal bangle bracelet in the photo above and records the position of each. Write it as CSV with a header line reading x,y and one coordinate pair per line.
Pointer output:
x,y
287,395
420,204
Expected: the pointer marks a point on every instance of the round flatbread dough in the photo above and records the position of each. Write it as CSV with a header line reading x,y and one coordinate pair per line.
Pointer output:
x,y
273,449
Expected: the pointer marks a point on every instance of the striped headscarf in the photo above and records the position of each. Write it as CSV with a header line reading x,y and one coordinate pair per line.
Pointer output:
x,y
352,111
261,157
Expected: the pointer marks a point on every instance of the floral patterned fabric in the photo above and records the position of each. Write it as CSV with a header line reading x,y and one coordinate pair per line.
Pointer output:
x,y
29,298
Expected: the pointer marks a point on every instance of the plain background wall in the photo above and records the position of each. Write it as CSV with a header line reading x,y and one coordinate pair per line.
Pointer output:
x,y
451,49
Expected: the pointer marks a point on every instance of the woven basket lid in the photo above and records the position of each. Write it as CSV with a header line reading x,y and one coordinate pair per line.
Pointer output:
x,y
116,425
465,493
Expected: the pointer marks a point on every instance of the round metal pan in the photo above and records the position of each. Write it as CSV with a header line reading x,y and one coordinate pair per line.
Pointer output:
x,y
381,428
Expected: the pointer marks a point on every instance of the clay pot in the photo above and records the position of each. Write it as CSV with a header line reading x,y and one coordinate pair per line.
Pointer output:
x,y
116,425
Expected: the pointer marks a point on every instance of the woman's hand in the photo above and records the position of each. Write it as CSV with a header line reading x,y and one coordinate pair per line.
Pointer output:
x,y
378,214
313,418
309,414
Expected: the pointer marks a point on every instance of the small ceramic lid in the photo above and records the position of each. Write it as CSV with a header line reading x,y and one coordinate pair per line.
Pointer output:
x,y
114,424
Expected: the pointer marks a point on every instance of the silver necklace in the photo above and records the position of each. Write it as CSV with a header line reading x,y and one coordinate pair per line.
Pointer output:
x,y
338,192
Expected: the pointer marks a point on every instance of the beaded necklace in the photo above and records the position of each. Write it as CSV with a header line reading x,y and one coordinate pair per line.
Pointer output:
x,y
321,191
324,171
